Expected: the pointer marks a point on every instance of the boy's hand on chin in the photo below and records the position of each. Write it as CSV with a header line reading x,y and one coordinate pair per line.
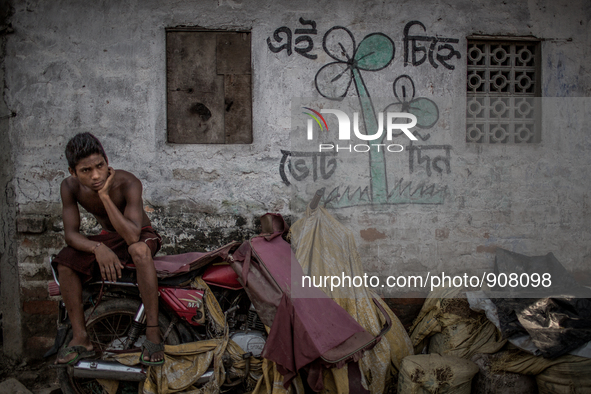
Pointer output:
x,y
108,183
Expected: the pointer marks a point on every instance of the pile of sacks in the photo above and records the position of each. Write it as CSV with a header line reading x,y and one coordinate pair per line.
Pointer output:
x,y
457,343
458,325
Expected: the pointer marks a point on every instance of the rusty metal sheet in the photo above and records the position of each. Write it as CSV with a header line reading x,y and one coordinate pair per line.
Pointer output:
x,y
196,120
238,106
195,99
233,53
209,99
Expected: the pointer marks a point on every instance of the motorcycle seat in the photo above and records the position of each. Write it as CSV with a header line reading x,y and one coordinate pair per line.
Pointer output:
x,y
168,266
176,263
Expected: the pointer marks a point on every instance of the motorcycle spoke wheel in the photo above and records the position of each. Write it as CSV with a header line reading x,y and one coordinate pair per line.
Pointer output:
x,y
109,332
108,328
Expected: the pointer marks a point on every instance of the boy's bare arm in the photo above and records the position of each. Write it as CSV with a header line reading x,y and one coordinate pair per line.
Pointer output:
x,y
128,224
108,262
71,218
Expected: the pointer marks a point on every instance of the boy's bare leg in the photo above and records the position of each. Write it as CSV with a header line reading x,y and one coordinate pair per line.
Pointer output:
x,y
148,286
71,289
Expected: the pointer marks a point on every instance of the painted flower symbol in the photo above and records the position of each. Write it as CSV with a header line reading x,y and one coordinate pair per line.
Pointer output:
x,y
374,53
423,108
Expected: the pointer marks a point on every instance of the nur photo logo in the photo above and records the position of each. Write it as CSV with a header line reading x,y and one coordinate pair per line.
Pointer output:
x,y
394,121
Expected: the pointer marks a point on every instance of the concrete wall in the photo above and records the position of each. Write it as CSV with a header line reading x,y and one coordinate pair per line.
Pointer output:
x,y
9,270
73,66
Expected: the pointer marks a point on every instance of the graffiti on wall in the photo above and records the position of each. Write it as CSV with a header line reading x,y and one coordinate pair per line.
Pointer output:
x,y
299,168
436,49
350,63
440,164
282,40
440,49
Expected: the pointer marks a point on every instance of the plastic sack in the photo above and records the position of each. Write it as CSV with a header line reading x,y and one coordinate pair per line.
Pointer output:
x,y
557,318
426,323
435,374
566,378
452,328
466,338
566,374
488,381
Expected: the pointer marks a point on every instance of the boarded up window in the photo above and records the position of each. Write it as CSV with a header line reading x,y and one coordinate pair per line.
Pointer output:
x,y
208,77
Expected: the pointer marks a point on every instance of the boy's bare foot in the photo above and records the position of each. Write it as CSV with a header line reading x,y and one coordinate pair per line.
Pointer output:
x,y
153,352
75,350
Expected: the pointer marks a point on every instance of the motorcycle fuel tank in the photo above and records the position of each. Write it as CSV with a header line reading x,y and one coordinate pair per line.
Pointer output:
x,y
221,275
187,303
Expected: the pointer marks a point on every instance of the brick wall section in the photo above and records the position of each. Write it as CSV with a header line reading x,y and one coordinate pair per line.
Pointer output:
x,y
39,312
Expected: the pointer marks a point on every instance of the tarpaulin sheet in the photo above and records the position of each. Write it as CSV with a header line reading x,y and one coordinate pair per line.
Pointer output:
x,y
480,302
323,246
186,363
559,321
302,329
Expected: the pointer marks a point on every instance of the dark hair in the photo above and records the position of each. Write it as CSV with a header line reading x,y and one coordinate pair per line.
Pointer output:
x,y
81,146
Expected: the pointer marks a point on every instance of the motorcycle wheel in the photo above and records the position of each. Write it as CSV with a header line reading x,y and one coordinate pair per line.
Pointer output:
x,y
107,328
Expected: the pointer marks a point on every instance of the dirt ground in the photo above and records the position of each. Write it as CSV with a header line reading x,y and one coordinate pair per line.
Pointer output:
x,y
38,378
35,375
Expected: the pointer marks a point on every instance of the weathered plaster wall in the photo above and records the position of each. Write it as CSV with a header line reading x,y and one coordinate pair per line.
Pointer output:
x,y
75,66
9,270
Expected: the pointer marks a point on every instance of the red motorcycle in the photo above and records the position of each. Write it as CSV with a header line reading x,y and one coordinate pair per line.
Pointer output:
x,y
309,332
116,320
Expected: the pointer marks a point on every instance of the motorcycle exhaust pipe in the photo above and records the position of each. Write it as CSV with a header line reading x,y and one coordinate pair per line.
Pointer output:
x,y
112,370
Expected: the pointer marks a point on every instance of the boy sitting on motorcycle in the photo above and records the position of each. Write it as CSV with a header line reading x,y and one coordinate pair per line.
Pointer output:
x,y
114,197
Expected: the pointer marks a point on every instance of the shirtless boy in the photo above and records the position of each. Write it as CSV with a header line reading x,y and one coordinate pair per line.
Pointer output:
x,y
114,197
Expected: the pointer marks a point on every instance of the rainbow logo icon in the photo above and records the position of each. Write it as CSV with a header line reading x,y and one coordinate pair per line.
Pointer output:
x,y
315,116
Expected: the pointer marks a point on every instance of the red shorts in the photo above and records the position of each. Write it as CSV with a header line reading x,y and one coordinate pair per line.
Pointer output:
x,y
85,263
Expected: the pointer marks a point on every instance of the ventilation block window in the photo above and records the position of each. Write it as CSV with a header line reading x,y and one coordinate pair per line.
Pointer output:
x,y
208,82
503,82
